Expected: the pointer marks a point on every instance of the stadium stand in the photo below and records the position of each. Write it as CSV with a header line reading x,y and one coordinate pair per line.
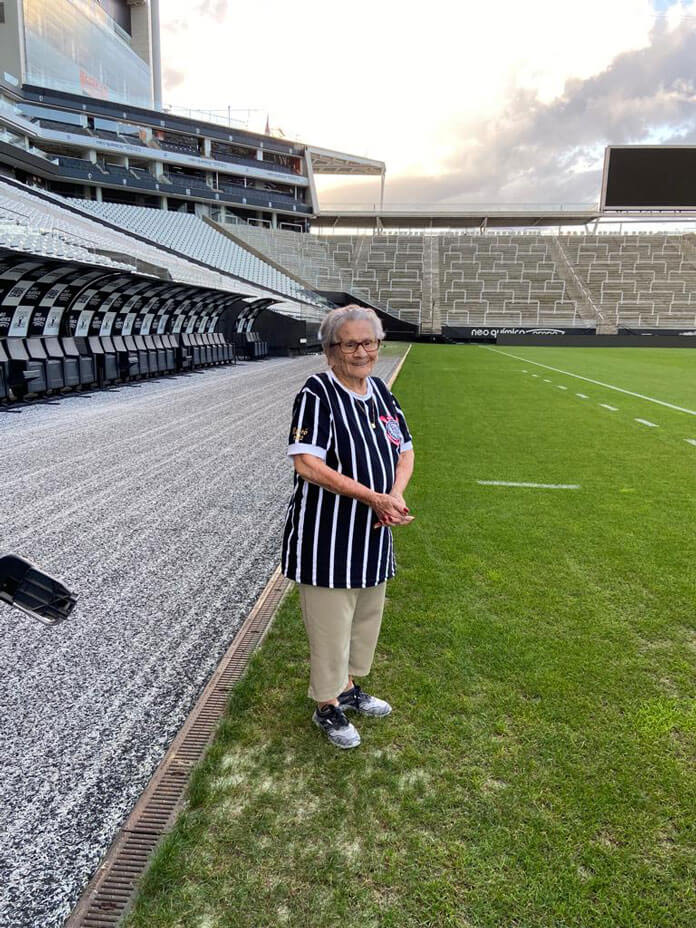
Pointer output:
x,y
83,302
386,270
637,280
606,281
502,280
191,236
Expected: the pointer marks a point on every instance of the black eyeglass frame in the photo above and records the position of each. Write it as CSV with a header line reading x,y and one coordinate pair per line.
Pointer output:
x,y
340,345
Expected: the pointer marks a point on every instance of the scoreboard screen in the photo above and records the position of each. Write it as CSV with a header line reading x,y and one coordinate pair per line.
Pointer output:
x,y
649,177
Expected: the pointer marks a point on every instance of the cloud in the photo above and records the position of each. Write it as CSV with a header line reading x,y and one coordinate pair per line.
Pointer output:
x,y
533,151
172,77
214,9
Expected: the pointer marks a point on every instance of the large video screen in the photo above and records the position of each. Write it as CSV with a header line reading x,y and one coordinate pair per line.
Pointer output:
x,y
76,47
643,177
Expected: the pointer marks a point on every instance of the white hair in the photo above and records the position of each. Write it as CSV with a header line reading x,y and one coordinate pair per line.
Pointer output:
x,y
333,320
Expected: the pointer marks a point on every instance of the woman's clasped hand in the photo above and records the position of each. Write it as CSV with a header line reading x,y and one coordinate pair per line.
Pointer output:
x,y
390,509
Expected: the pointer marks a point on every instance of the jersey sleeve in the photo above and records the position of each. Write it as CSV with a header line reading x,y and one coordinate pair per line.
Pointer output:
x,y
407,443
310,431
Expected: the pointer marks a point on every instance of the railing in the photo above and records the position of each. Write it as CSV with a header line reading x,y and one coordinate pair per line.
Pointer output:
x,y
466,207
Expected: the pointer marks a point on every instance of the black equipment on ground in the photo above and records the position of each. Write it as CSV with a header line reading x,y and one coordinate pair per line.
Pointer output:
x,y
34,592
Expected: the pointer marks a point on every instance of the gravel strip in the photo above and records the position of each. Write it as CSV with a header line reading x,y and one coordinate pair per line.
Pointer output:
x,y
160,504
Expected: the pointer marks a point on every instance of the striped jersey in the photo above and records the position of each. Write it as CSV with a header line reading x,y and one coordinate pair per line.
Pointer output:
x,y
329,539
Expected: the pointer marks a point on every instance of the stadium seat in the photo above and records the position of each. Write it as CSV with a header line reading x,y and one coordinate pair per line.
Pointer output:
x,y
169,355
140,351
53,366
216,352
182,354
128,357
25,375
206,351
106,361
71,366
189,345
88,370
252,346
121,355
227,349
4,374
150,353
156,351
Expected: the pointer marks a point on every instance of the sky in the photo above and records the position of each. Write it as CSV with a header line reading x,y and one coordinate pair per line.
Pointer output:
x,y
497,102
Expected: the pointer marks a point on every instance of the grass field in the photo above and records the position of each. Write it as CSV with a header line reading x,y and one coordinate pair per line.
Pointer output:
x,y
539,648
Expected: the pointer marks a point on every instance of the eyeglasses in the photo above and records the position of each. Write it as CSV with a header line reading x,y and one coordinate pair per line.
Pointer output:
x,y
370,345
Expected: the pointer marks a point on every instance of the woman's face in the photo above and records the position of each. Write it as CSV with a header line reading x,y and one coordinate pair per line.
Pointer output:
x,y
360,363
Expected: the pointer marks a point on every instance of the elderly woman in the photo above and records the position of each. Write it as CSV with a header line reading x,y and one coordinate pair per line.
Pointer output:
x,y
353,459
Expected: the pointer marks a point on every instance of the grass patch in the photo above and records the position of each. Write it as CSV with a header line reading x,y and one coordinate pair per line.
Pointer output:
x,y
539,650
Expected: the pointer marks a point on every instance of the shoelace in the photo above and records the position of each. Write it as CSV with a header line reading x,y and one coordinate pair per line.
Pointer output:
x,y
336,716
355,696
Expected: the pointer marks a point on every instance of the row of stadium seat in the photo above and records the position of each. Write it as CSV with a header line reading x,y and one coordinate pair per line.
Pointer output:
x,y
43,364
251,346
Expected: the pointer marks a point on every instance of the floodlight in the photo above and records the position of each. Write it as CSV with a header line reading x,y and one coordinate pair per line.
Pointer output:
x,y
34,592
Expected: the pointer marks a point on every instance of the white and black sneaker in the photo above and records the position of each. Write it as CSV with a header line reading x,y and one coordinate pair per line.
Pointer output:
x,y
356,700
338,729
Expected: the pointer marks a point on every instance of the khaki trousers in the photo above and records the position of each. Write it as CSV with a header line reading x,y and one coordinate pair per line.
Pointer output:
x,y
343,628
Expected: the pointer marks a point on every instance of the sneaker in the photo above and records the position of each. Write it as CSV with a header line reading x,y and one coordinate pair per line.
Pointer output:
x,y
338,729
359,701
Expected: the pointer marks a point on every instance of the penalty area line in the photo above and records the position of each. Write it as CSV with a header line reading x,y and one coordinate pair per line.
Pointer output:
x,y
534,486
599,383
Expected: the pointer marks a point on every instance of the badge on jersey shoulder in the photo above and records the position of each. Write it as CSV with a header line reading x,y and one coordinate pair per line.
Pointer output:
x,y
391,427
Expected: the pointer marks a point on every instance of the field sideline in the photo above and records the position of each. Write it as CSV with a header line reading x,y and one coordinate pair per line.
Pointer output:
x,y
539,648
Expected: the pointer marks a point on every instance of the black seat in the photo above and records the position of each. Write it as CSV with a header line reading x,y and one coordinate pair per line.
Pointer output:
x,y
172,343
25,374
152,362
184,353
215,353
141,352
169,358
71,366
53,366
106,361
128,357
87,367
158,352
206,353
121,354
4,374
228,349
189,343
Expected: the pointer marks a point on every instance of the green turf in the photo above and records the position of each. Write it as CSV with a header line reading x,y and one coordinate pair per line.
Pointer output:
x,y
539,647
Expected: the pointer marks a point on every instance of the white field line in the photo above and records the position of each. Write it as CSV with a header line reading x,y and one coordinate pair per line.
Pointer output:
x,y
691,441
561,387
582,396
599,383
535,486
535,375
612,408
652,425
546,380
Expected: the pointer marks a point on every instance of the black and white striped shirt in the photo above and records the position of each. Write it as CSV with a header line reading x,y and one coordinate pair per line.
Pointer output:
x,y
329,540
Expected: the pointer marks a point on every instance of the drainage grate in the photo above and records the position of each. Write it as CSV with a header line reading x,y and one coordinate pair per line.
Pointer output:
x,y
112,888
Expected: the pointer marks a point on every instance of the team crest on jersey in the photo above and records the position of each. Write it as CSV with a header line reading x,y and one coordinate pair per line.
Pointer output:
x,y
391,427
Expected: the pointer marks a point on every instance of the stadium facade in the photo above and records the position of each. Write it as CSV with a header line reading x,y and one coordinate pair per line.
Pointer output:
x,y
81,115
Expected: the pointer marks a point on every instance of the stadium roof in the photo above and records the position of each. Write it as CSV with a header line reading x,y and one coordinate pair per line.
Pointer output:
x,y
423,217
325,161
